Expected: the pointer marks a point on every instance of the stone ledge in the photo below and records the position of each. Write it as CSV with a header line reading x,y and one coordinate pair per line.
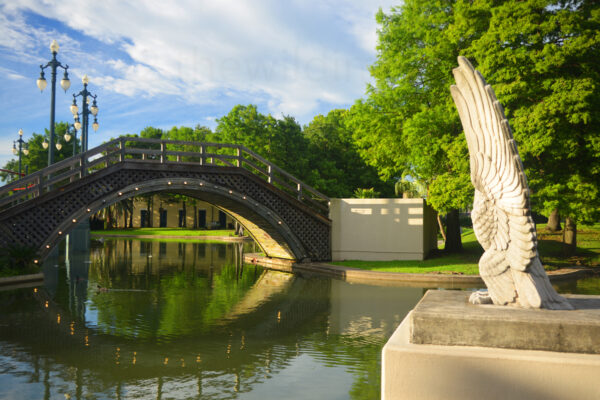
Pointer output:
x,y
20,279
447,318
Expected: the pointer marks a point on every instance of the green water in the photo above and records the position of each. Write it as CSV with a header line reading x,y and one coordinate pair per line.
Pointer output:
x,y
137,319
156,320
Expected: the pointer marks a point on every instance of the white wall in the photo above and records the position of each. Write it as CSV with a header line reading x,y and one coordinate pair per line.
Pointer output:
x,y
382,229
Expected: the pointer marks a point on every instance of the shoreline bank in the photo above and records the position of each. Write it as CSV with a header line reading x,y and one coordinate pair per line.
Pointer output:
x,y
433,280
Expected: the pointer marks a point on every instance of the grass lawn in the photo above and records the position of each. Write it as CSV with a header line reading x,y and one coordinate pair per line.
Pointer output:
x,y
166,232
550,248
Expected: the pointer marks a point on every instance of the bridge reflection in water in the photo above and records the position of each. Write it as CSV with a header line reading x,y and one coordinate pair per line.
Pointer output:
x,y
136,319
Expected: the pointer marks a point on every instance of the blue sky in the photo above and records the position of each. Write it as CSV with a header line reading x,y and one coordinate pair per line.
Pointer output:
x,y
183,62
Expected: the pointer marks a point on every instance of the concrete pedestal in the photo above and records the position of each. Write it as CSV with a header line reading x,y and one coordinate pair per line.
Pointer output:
x,y
486,371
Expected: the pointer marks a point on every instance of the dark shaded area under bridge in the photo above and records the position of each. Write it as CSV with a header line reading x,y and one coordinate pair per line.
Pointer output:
x,y
286,217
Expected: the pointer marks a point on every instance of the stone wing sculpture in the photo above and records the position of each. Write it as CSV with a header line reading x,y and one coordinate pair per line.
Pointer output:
x,y
510,265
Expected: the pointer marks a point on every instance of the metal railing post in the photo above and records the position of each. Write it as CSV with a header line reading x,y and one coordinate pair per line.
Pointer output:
x,y
83,171
122,148
38,183
163,153
299,189
239,157
270,172
202,157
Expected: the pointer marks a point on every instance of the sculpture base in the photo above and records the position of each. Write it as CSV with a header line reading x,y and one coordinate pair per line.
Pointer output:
x,y
453,370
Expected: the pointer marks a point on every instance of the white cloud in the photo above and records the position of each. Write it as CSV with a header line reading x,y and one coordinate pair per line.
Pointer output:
x,y
291,56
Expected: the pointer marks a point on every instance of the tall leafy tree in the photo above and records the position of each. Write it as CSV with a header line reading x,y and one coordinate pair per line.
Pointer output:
x,y
543,58
408,125
335,167
278,140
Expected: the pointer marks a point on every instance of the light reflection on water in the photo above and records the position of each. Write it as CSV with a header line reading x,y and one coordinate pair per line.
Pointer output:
x,y
134,319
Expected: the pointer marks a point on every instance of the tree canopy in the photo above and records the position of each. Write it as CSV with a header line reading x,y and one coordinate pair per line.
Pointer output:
x,y
335,166
541,57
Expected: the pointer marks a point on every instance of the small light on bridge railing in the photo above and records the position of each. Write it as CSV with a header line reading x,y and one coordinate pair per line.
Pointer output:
x,y
137,188
201,184
59,232
35,262
120,194
47,246
74,220
88,210
185,182
279,222
244,197
230,192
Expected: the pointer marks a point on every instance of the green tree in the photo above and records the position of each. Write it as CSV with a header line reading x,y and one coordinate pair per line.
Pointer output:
x,y
280,141
408,124
543,59
335,166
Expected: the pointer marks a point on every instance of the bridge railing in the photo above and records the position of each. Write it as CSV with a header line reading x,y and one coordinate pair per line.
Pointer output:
x,y
132,149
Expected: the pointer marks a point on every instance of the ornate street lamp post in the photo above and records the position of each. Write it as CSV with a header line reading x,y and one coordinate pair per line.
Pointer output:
x,y
21,150
65,83
83,125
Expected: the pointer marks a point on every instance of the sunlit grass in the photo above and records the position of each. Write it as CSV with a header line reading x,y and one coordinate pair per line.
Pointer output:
x,y
550,249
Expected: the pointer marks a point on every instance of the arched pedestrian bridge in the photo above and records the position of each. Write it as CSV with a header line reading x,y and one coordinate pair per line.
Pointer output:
x,y
286,217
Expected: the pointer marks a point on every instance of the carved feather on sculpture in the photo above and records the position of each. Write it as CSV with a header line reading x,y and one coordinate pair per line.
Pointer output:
x,y
510,266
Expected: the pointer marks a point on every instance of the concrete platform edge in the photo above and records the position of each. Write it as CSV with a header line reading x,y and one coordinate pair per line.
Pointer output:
x,y
417,371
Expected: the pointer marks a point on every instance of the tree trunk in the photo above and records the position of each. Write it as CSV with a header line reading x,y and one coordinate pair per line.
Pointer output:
x,y
442,231
453,239
570,237
554,221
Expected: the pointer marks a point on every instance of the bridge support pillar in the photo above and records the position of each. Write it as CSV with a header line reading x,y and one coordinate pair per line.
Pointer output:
x,y
79,239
